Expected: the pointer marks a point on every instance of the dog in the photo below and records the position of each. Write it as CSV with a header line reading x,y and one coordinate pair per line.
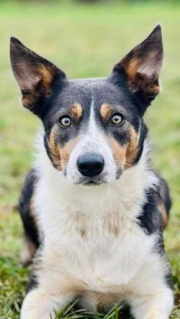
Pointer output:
x,y
93,209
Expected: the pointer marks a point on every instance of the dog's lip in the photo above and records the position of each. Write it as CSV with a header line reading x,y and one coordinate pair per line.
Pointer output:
x,y
92,183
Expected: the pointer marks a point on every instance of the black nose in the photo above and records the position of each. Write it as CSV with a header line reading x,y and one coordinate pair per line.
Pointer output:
x,y
90,165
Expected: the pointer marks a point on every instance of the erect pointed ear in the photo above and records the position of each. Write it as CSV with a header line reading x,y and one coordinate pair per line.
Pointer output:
x,y
142,67
35,76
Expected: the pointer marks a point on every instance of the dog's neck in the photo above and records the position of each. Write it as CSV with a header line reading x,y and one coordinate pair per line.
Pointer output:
x,y
123,195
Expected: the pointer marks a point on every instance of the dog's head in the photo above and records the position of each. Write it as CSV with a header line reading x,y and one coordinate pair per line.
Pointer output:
x,y
94,128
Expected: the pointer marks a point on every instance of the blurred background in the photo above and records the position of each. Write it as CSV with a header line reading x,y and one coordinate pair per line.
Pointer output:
x,y
85,38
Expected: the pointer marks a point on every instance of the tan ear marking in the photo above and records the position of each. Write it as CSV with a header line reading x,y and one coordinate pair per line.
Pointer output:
x,y
28,100
131,69
137,79
47,75
153,89
141,68
34,75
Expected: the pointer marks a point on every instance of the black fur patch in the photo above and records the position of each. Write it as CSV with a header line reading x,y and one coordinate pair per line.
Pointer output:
x,y
164,194
168,279
33,282
30,228
150,219
143,135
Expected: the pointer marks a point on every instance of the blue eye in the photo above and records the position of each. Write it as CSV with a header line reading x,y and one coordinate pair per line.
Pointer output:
x,y
65,121
117,119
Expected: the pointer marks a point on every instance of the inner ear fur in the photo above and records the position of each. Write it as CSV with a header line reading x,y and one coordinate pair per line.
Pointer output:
x,y
142,67
34,74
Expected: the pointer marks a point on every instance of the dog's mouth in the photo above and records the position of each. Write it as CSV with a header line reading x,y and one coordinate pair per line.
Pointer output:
x,y
103,178
89,181
93,183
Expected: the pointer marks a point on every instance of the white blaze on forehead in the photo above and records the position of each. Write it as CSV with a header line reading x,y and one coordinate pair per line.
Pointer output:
x,y
92,127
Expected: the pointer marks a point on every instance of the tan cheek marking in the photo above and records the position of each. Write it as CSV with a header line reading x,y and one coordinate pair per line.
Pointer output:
x,y
126,154
55,154
60,155
132,148
76,110
119,152
164,214
65,151
106,111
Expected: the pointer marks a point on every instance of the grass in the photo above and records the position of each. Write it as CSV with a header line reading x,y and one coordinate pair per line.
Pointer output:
x,y
85,41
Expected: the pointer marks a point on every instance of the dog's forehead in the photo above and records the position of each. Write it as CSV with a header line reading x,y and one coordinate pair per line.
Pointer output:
x,y
93,93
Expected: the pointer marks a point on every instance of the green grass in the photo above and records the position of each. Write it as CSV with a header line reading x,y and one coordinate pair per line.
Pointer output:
x,y
85,41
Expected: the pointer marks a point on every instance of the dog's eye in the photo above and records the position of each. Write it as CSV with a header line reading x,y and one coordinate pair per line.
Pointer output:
x,y
117,119
65,121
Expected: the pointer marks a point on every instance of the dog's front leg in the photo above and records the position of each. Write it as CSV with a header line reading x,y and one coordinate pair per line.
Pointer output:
x,y
41,305
157,306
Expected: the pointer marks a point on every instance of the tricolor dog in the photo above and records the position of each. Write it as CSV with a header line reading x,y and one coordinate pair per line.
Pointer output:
x,y
92,207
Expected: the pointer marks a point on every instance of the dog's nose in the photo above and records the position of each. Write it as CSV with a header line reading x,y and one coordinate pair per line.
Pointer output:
x,y
90,165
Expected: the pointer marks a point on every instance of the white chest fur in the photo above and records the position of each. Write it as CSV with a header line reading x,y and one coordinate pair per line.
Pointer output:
x,y
93,231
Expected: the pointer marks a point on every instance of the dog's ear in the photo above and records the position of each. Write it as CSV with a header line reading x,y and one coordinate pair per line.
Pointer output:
x,y
141,68
35,76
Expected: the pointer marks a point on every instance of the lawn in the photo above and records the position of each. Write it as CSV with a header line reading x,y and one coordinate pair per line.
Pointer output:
x,y
85,41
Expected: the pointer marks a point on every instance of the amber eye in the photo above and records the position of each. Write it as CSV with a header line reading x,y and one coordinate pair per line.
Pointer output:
x,y
65,121
117,119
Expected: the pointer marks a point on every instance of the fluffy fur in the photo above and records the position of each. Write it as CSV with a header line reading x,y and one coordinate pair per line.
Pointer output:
x,y
99,235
